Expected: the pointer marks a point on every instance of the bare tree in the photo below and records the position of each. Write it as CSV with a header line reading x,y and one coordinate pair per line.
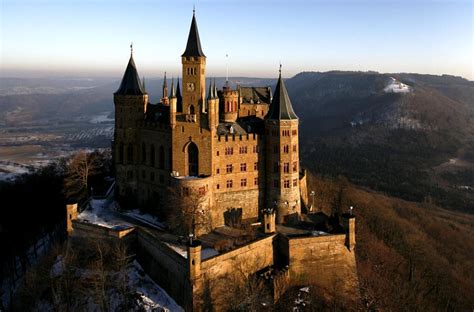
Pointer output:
x,y
189,211
80,168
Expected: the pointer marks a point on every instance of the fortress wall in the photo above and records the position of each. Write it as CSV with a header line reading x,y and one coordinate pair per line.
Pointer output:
x,y
221,271
164,265
304,190
324,261
248,200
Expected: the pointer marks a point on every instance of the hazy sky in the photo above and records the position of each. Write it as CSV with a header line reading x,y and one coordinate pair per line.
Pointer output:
x,y
92,37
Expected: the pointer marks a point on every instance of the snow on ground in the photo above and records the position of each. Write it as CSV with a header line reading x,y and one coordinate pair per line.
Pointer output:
x,y
9,170
146,218
99,213
151,294
396,86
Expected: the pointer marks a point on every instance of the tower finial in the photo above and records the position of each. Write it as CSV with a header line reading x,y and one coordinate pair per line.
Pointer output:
x,y
280,70
131,47
194,9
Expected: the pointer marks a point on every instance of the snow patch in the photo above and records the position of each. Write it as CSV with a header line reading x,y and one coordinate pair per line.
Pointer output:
x,y
396,86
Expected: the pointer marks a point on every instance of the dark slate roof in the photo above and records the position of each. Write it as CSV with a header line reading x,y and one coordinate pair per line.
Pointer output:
x,y
256,95
281,107
242,126
131,84
193,47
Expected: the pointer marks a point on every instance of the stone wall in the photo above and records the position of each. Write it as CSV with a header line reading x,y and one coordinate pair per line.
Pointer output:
x,y
322,260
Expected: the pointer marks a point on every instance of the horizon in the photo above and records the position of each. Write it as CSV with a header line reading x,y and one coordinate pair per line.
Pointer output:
x,y
425,37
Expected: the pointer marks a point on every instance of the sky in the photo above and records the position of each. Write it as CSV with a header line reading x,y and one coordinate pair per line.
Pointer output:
x,y
92,37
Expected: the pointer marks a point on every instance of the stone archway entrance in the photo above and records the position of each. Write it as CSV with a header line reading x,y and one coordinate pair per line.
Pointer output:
x,y
193,160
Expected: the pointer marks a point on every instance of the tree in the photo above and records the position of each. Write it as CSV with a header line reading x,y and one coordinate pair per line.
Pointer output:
x,y
188,211
81,167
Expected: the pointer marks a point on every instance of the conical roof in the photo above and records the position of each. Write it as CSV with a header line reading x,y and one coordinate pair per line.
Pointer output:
x,y
193,47
281,108
130,84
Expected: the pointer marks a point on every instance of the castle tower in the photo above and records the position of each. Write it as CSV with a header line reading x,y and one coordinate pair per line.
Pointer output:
x,y
130,106
282,156
213,107
230,100
269,225
194,70
165,99
194,260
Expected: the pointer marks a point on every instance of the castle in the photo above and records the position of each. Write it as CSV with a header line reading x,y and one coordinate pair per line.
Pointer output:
x,y
230,153
237,147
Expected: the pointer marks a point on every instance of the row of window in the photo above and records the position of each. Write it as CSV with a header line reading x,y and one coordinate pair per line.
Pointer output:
x,y
286,149
242,150
286,183
283,132
286,167
191,71
243,183
200,191
151,154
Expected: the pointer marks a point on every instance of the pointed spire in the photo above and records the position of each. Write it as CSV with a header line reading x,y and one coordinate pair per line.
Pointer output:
x,y
210,93
165,87
143,84
179,99
215,88
281,107
193,47
173,91
131,84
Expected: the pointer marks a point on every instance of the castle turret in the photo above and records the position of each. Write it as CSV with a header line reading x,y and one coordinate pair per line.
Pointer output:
x,y
269,225
194,70
179,98
194,260
130,106
282,156
173,105
71,212
348,223
229,100
165,99
213,107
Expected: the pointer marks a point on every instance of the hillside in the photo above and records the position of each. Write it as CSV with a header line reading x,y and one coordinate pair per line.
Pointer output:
x,y
417,255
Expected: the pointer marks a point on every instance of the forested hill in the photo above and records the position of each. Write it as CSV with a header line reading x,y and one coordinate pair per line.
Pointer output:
x,y
409,135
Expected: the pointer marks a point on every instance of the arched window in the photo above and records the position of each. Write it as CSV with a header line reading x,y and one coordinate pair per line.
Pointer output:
x,y
143,153
193,160
120,153
161,158
152,155
191,109
130,153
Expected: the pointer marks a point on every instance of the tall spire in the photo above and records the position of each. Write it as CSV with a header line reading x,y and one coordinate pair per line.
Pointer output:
x,y
131,84
281,107
173,91
143,84
193,47
210,92
165,87
215,88
179,98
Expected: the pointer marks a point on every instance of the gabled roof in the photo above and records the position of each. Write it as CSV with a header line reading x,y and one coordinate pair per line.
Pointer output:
x,y
256,95
193,47
131,84
281,107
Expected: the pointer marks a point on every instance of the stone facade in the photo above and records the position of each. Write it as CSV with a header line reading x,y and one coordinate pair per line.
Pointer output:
x,y
225,141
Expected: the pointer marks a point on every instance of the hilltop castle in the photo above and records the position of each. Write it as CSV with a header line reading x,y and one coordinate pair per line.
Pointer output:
x,y
238,148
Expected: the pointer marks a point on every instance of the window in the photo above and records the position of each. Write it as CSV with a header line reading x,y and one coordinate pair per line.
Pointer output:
x,y
255,166
217,171
274,132
143,153
255,181
294,148
217,153
276,183
243,182
285,132
255,148
130,153
243,167
243,150
161,158
217,186
295,166
276,167
152,155
275,149
294,132
229,168
286,184
229,150
229,183
295,182
286,167
286,149
185,191
202,190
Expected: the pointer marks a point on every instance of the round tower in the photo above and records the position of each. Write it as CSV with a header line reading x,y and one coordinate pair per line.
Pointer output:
x,y
229,100
282,156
